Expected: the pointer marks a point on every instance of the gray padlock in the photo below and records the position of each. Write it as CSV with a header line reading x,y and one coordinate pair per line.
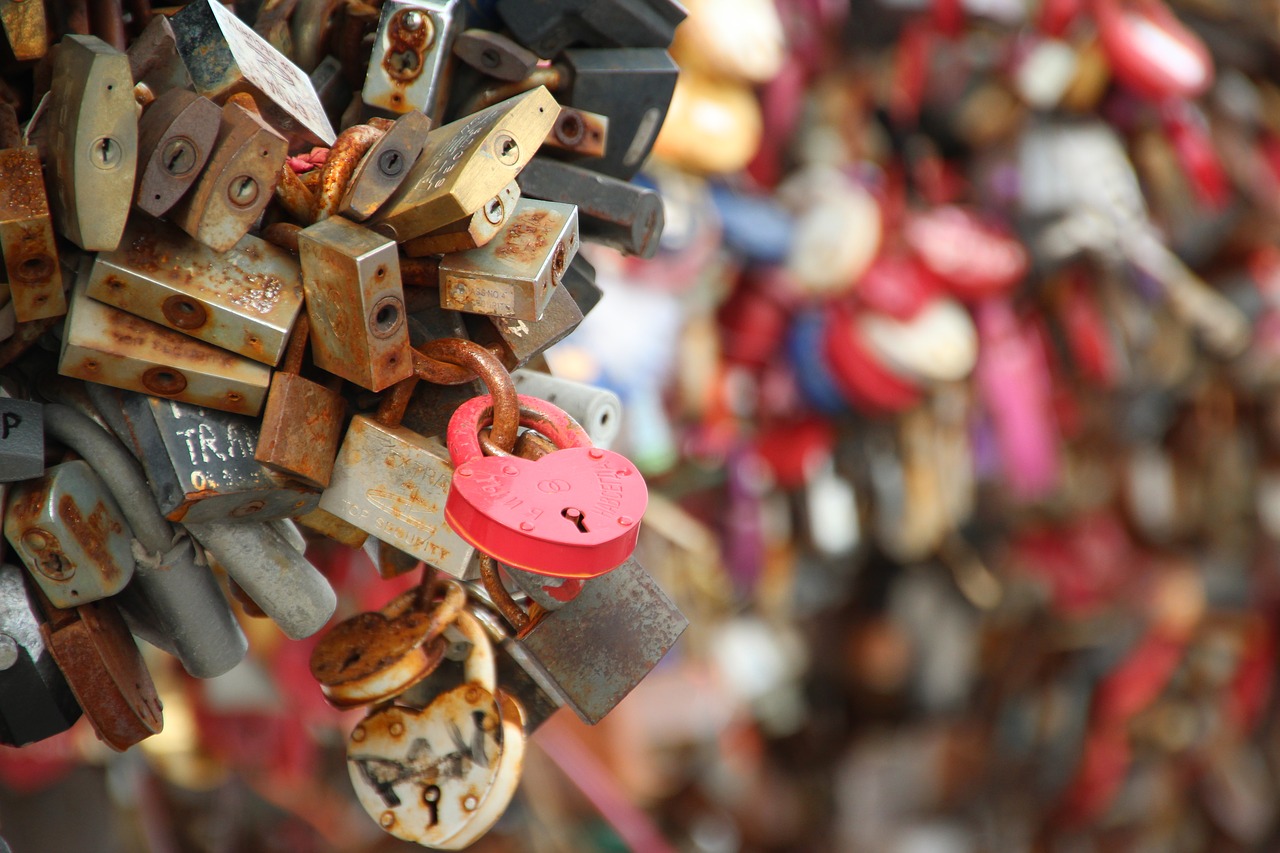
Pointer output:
x,y
35,700
598,409
412,51
612,212
21,439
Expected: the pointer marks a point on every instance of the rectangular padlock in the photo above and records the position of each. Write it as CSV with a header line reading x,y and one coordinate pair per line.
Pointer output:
x,y
107,345
21,439
355,303
549,26
470,233
466,163
35,699
385,166
201,468
237,183
25,28
412,52
225,56
27,238
614,213
176,135
244,300
518,341
93,142
515,274
69,532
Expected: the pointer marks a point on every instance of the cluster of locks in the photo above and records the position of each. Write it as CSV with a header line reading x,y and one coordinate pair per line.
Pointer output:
x,y
221,318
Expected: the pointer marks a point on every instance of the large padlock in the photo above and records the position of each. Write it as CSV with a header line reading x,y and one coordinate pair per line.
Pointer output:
x,y
154,60
176,135
385,166
443,775
573,513
549,26
70,534
412,50
225,56
21,438
35,701
25,28
93,142
494,54
518,341
244,300
516,273
591,652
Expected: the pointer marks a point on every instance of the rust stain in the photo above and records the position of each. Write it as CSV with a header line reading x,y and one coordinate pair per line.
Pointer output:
x,y
92,533
526,237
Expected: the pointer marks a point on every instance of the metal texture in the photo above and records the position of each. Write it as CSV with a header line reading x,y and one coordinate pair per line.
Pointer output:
x,y
466,163
201,464
237,183
154,60
494,54
92,142
549,26
176,135
579,132
27,238
25,28
70,534
275,575
355,303
612,212
21,439
35,700
515,274
244,300
225,56
444,357
470,233
432,405
385,166
329,525
598,409
412,52
107,345
340,165
573,513
518,341
580,282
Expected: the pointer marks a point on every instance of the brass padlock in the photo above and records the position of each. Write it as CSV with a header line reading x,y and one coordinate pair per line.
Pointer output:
x,y
355,303
176,135
466,163
27,238
409,68
93,142
238,182
385,166
515,274
244,300
25,28
225,56
469,233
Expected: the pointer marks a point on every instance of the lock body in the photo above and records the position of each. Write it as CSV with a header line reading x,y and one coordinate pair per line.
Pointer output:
x,y
176,135
411,57
549,26
301,429
472,232
518,341
392,483
27,238
385,166
244,300
154,59
70,534
21,439
355,303
515,274
35,700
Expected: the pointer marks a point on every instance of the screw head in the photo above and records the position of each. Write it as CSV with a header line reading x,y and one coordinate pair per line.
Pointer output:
x,y
411,20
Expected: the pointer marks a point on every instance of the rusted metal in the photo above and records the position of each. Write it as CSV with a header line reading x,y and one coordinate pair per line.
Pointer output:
x,y
494,54
25,27
294,196
481,363
385,166
27,238
518,341
106,20
176,135
512,612
470,233
580,132
283,234
329,525
346,154
154,58
420,272
551,76
409,66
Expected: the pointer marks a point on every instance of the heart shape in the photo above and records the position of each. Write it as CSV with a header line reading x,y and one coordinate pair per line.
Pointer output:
x,y
573,513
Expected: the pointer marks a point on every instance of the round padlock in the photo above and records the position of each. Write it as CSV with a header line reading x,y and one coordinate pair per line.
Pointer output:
x,y
443,775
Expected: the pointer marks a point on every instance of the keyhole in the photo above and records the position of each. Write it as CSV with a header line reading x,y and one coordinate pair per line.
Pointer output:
x,y
107,152
179,156
493,211
242,191
391,163
404,62
508,150
576,516
431,799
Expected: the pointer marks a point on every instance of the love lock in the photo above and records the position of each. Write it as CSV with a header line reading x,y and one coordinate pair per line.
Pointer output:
x,y
443,775
573,513
372,657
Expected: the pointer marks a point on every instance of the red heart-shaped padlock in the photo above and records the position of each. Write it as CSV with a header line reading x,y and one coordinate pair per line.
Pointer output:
x,y
574,513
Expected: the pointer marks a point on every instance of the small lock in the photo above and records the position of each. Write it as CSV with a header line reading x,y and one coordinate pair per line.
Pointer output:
x,y
21,439
466,163
355,303
35,700
385,166
104,344
27,238
225,56
70,534
519,341
547,28
176,135
494,55
93,142
470,233
244,300
412,51
515,274
238,181
25,28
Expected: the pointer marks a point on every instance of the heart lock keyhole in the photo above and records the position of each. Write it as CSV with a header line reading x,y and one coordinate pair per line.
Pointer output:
x,y
577,517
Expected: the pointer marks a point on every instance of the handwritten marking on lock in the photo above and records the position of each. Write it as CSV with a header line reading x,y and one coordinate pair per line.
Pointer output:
x,y
10,422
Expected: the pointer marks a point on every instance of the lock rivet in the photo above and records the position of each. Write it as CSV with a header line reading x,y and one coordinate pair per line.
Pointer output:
x,y
388,819
8,651
411,20
396,729
595,453
526,525
626,520
35,540
510,469
470,803
359,734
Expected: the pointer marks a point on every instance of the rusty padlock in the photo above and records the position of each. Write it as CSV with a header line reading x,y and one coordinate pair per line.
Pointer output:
x,y
385,166
26,230
176,135
518,341
412,53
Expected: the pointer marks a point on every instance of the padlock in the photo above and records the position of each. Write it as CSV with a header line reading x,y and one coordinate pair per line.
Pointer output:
x,y
385,166
107,345
515,274
580,282
35,701
176,135
579,132
937,344
612,212
549,26
466,163
590,653
537,703
518,341
26,29
472,232
598,410
154,59
443,775
273,572
376,656
329,525
244,300
21,439
70,534
1151,51
238,181
412,53
574,513
27,237
302,420
355,303
494,54
92,141
392,482
104,669
225,56
201,466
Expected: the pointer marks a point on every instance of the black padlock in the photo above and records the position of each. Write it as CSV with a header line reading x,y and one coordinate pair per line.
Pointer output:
x,y
549,26
615,213
35,700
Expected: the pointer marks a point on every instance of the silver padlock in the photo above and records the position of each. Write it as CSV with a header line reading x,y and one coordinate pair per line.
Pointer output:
x,y
21,439
412,51
598,409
